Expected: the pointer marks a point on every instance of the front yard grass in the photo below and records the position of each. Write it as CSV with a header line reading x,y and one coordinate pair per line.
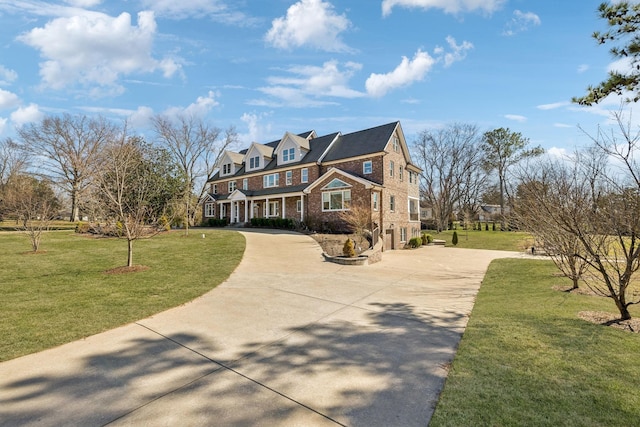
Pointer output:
x,y
494,240
527,359
64,293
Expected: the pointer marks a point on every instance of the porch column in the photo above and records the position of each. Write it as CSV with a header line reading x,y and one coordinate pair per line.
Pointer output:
x,y
246,211
283,205
266,208
302,207
251,209
220,210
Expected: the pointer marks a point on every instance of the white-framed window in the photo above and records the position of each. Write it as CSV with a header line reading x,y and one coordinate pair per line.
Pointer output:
x,y
304,175
396,144
288,175
392,203
414,210
336,200
271,180
210,209
289,155
410,177
298,205
375,201
232,186
226,169
391,168
214,188
401,172
403,234
245,183
367,167
272,209
254,162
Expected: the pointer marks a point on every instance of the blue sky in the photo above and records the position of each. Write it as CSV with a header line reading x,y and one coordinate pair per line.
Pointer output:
x,y
271,66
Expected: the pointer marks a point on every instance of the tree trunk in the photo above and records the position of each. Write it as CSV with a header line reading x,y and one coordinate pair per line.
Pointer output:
x,y
75,209
130,253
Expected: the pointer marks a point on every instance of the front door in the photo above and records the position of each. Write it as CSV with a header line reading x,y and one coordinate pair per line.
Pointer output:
x,y
388,239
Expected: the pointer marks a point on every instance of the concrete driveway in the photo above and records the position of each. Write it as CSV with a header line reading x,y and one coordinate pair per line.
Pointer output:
x,y
287,340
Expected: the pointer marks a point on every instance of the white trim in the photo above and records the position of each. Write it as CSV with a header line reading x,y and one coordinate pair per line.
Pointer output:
x,y
367,184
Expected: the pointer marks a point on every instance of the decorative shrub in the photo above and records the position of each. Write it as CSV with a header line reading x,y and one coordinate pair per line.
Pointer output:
x,y
216,222
415,242
286,223
427,238
454,238
348,249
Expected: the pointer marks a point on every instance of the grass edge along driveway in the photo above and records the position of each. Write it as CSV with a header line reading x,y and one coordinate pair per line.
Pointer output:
x,y
527,359
63,294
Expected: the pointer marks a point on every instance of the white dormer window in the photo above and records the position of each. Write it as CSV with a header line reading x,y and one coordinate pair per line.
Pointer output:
x,y
289,155
226,169
396,144
254,162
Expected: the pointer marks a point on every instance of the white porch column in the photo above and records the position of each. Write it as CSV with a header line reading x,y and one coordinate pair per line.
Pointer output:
x,y
246,211
233,212
302,207
266,208
283,205
251,210
220,210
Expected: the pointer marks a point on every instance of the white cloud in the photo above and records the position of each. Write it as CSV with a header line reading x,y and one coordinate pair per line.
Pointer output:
x,y
560,153
83,3
562,125
582,68
3,124
96,49
409,71
458,53
256,130
515,118
448,6
520,22
311,23
29,114
7,76
8,99
199,108
307,83
216,10
553,105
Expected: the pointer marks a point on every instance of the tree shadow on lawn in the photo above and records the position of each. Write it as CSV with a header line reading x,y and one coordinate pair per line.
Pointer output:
x,y
384,366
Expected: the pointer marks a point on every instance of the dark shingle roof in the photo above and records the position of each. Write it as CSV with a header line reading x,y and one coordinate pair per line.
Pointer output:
x,y
360,143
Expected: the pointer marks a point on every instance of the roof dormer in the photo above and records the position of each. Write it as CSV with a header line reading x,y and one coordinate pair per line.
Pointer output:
x,y
230,163
291,148
257,157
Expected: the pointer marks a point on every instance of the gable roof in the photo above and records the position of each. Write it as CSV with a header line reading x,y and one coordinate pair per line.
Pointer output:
x,y
335,171
360,143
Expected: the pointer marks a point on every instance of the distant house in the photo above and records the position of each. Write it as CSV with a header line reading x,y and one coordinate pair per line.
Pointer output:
x,y
313,178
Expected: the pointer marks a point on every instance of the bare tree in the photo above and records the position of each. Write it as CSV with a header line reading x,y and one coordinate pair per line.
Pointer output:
x,y
126,187
597,207
33,204
451,166
68,149
502,149
197,147
12,162
358,218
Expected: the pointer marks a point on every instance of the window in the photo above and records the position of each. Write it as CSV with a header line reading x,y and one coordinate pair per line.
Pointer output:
x,y
232,186
272,209
396,144
403,234
336,200
375,201
298,205
209,210
226,169
304,175
410,177
401,172
271,180
289,155
392,203
214,188
245,184
288,177
391,168
367,167
414,211
254,162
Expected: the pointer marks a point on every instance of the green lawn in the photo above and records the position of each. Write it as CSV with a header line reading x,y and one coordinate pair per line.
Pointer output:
x,y
64,294
527,359
497,240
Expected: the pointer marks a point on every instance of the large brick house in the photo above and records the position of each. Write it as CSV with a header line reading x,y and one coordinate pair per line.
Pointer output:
x,y
312,178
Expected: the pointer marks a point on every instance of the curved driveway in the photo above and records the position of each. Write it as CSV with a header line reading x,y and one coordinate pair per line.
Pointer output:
x,y
287,340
